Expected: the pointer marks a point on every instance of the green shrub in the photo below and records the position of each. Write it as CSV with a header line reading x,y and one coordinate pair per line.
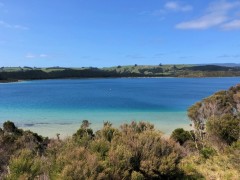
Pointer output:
x,y
9,126
74,162
207,152
181,136
25,164
227,128
84,134
100,147
137,176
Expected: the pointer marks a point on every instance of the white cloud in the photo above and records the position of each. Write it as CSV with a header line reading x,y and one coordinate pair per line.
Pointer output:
x,y
203,22
20,27
235,24
4,24
16,26
43,55
175,6
222,6
30,56
171,6
216,14
33,56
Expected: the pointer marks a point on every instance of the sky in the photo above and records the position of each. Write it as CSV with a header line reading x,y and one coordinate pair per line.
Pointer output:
x,y
101,33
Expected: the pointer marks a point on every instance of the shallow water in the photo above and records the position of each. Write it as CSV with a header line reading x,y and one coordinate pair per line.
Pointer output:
x,y
59,106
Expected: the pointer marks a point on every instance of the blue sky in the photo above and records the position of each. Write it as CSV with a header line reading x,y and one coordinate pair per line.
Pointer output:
x,y
102,33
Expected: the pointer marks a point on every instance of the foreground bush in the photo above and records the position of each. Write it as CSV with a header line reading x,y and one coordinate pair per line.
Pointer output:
x,y
13,140
181,136
135,151
25,165
216,122
225,128
220,113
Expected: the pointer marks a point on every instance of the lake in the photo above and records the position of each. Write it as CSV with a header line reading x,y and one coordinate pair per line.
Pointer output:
x,y
49,107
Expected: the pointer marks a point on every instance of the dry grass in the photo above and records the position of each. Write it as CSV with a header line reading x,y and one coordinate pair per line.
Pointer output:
x,y
218,167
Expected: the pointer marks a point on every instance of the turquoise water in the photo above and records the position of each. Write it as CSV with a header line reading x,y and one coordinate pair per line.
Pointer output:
x,y
59,106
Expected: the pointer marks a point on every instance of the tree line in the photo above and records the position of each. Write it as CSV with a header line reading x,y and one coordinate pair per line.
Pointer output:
x,y
120,71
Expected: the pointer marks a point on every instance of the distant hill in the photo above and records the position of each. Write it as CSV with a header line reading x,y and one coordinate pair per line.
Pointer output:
x,y
224,64
31,73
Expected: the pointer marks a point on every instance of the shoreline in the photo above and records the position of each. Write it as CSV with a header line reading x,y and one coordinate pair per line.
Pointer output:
x,y
68,129
10,81
146,77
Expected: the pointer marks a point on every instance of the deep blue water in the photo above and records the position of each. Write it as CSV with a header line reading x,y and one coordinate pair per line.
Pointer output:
x,y
70,101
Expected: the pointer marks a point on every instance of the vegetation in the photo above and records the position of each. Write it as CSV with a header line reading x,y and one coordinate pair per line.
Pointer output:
x,y
182,136
216,122
134,151
28,73
226,128
13,141
218,115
